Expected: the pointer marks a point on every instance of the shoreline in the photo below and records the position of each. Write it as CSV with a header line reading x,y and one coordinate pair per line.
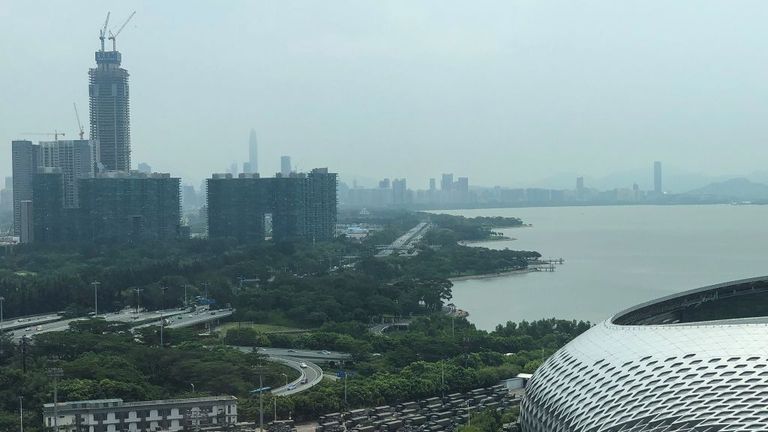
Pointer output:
x,y
491,239
493,275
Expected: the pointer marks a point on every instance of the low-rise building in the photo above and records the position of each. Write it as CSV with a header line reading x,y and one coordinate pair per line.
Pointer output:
x,y
114,415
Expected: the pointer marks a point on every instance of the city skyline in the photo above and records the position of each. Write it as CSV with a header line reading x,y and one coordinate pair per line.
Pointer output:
x,y
392,104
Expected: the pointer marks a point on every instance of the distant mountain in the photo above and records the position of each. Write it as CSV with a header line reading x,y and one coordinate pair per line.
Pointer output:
x,y
739,189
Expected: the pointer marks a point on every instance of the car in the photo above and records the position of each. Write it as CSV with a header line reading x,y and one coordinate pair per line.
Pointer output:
x,y
291,350
39,327
213,313
179,317
303,365
291,386
304,380
30,329
325,352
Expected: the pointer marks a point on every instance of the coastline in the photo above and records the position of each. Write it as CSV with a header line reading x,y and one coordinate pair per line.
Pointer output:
x,y
491,239
493,275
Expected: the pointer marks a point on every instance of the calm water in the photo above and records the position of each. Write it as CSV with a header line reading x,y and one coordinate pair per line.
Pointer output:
x,y
615,257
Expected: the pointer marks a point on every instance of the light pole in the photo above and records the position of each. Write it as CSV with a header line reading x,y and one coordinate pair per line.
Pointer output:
x,y
193,387
274,417
286,378
185,295
95,298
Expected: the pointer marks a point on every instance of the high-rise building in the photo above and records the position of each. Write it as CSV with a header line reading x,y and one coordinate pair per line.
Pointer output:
x,y
285,166
580,187
657,185
189,198
25,159
446,182
399,191
253,153
384,183
302,206
110,112
48,219
74,159
432,184
462,186
129,207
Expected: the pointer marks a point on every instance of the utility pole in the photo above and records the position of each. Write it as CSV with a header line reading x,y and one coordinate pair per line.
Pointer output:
x,y
95,298
55,373
274,417
185,295
162,319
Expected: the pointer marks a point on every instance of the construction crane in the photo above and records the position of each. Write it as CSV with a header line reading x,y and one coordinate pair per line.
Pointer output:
x,y
103,32
113,37
79,125
55,134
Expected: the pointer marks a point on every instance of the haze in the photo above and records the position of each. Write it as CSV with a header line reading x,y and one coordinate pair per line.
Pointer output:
x,y
504,92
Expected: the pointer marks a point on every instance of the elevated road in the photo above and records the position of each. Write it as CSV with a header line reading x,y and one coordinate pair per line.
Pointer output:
x,y
312,373
27,321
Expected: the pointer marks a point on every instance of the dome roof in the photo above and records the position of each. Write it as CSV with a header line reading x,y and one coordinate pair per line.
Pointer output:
x,y
695,361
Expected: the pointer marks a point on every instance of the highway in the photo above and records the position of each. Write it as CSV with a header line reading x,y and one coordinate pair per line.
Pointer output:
x,y
128,316
407,241
34,320
293,359
187,318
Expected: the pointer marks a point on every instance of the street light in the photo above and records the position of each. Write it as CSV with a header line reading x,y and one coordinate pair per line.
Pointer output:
x,y
193,387
286,378
21,413
95,298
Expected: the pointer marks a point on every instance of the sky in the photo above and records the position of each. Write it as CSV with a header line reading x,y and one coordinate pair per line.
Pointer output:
x,y
504,92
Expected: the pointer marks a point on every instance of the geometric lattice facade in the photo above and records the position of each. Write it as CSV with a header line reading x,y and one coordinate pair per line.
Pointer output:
x,y
666,374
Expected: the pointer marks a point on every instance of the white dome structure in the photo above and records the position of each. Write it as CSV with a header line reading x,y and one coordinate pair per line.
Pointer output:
x,y
695,361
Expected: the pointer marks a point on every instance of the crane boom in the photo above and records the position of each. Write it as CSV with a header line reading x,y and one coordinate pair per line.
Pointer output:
x,y
79,125
113,37
54,133
103,31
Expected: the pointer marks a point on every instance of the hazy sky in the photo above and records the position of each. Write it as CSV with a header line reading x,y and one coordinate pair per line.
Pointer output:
x,y
505,92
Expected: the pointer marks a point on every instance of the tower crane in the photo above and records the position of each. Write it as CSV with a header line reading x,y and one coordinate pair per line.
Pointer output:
x,y
113,37
55,134
79,125
103,31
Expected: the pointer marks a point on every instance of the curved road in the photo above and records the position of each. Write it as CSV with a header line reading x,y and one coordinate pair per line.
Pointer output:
x,y
313,373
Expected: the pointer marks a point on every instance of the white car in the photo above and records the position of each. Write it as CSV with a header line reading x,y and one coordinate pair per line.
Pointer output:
x,y
303,365
291,386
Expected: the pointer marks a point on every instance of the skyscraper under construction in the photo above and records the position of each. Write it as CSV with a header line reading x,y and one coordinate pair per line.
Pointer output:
x,y
110,110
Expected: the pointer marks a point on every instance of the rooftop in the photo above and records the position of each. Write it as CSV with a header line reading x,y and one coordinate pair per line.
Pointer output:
x,y
737,302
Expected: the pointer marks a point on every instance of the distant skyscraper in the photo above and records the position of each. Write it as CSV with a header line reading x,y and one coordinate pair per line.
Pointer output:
x,y
253,154
399,191
384,184
462,185
233,168
432,184
285,166
579,186
6,195
657,185
26,233
110,112
446,183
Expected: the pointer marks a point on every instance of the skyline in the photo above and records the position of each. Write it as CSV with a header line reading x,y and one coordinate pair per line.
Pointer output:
x,y
397,90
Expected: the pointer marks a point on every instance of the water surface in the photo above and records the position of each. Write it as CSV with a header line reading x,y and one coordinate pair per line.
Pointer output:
x,y
616,257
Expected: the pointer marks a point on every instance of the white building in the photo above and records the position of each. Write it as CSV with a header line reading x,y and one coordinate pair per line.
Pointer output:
x,y
114,415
